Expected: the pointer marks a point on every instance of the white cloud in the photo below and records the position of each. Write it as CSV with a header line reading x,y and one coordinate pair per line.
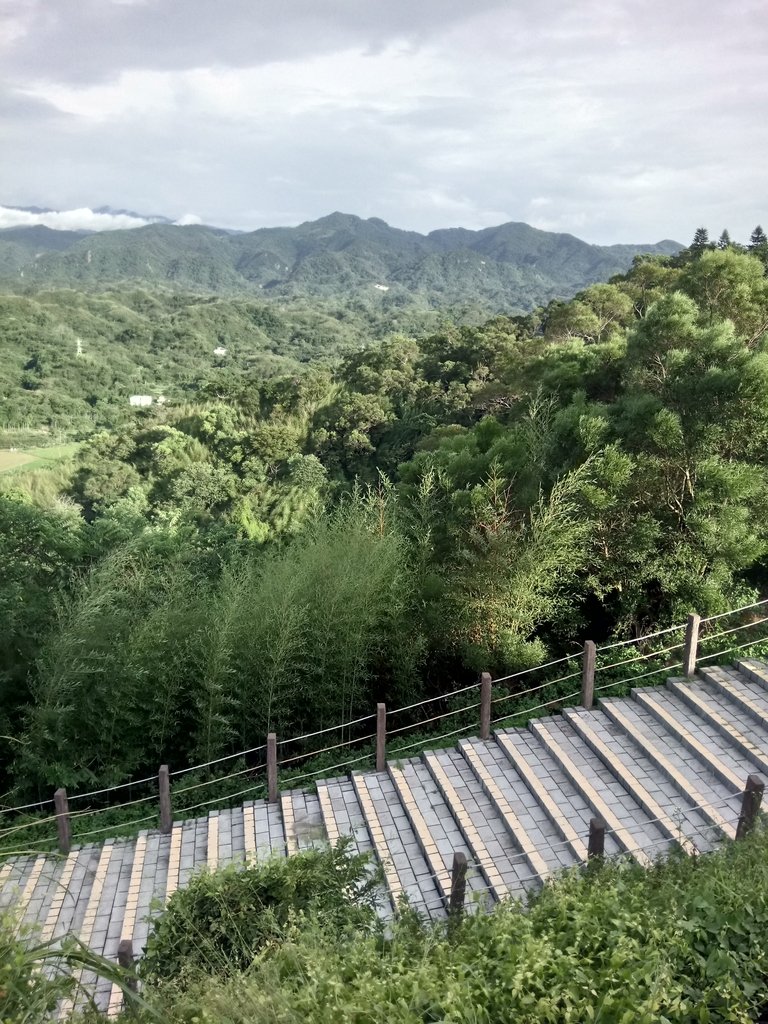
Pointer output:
x,y
619,122
83,219
189,218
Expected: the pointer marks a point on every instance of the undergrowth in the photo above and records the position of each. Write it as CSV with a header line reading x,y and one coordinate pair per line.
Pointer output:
x,y
686,941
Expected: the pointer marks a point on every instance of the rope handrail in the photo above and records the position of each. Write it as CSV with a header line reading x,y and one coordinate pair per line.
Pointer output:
x,y
535,689
638,639
328,728
735,629
537,668
218,760
735,611
430,700
638,657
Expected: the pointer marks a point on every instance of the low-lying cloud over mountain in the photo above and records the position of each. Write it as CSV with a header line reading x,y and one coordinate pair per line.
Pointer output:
x,y
83,219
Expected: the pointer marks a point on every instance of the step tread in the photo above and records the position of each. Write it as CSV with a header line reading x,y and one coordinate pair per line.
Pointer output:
x,y
710,705
405,869
551,796
694,780
740,690
491,847
700,735
606,796
658,797
342,813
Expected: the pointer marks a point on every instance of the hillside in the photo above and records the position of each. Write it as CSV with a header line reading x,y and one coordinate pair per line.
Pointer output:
x,y
509,268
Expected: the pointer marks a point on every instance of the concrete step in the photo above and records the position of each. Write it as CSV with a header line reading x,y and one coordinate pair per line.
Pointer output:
x,y
697,735
606,797
550,797
755,671
434,825
749,697
531,832
717,711
406,871
302,821
90,930
643,781
694,781
342,814
491,847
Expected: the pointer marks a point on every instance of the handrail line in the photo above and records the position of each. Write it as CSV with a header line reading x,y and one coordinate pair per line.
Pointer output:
x,y
447,714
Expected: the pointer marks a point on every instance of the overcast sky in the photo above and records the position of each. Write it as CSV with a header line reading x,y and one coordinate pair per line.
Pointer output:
x,y
616,121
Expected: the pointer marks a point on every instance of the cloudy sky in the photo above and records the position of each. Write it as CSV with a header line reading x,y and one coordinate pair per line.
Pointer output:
x,y
611,119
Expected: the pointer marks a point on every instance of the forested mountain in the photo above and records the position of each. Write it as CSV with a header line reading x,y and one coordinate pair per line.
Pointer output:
x,y
509,268
273,550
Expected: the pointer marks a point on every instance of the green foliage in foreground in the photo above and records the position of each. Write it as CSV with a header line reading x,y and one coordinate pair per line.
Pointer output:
x,y
684,942
37,976
222,920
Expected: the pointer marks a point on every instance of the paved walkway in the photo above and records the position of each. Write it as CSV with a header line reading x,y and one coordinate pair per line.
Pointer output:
x,y
664,766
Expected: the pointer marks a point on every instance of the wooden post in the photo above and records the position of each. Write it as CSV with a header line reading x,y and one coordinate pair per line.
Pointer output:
x,y
691,643
750,805
588,674
272,767
164,789
381,737
458,885
126,961
485,705
63,826
596,845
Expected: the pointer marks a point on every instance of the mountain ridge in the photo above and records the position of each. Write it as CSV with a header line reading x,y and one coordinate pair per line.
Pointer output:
x,y
511,266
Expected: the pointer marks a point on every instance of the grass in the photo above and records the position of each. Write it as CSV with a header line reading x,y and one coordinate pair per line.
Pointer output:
x,y
35,457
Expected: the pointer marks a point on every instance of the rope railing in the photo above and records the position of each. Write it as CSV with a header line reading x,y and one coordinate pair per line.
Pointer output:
x,y
63,817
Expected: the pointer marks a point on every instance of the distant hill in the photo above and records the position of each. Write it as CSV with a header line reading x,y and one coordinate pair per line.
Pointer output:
x,y
512,267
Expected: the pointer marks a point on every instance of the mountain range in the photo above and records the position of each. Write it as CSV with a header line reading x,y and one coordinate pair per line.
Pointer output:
x,y
509,268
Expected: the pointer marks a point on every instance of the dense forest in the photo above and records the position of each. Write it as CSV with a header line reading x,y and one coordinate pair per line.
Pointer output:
x,y
331,513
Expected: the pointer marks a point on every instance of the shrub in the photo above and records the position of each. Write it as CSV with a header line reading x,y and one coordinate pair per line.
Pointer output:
x,y
223,919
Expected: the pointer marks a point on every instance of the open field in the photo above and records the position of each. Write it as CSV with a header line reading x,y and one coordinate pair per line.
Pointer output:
x,y
33,458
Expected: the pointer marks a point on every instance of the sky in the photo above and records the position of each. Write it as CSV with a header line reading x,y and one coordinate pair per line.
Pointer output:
x,y
614,120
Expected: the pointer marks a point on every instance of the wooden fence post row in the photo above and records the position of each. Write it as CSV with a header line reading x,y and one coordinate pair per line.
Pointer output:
x,y
751,800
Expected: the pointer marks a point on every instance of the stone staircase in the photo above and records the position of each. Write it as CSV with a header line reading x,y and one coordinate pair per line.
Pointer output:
x,y
663,766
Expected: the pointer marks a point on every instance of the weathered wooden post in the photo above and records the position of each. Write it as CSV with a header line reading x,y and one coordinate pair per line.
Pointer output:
x,y
63,825
164,789
381,737
272,767
691,643
588,674
486,684
750,805
596,845
126,961
458,885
